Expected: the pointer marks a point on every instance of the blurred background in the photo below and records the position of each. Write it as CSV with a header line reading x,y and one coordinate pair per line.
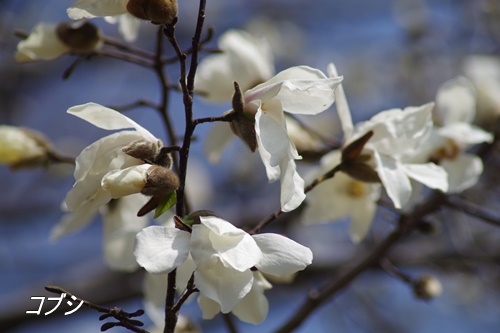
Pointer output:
x,y
392,53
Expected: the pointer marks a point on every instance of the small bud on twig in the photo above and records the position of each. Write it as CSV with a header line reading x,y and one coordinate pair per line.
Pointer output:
x,y
427,287
156,11
79,36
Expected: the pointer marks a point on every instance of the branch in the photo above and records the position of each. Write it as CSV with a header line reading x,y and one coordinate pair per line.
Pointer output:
x,y
318,296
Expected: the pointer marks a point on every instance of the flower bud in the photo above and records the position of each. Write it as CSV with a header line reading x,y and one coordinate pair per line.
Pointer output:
x,y
143,150
156,11
22,148
79,36
427,287
243,123
160,182
127,181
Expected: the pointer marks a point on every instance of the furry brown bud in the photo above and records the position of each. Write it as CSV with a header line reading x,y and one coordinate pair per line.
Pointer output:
x,y
79,36
143,150
156,11
243,123
160,182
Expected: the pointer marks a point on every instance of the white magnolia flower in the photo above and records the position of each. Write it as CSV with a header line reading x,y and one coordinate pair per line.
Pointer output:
x,y
245,59
21,147
128,26
398,136
96,161
224,257
455,111
48,41
297,90
339,197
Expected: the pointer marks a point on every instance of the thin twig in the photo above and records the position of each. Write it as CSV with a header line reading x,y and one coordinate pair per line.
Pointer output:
x,y
472,210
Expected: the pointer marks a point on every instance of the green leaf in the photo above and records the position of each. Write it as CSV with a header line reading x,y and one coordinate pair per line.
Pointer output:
x,y
166,204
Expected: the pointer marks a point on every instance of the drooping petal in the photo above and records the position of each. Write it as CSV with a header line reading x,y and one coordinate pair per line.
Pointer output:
x,y
218,138
80,217
463,172
254,306
223,285
41,44
96,8
232,246
465,133
429,174
301,90
108,119
128,26
341,104
292,186
273,142
395,181
361,219
456,102
161,249
281,255
209,308
121,225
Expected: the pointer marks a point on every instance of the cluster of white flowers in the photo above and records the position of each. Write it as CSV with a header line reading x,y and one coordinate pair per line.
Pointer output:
x,y
406,149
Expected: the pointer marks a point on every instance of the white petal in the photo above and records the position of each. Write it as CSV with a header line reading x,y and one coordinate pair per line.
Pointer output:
x,y
223,285
429,174
361,220
209,308
80,217
121,225
254,306
108,119
218,138
161,249
96,8
154,288
292,187
274,145
281,255
463,172
456,101
245,60
131,180
341,104
128,27
395,181
301,90
216,238
465,133
397,131
41,44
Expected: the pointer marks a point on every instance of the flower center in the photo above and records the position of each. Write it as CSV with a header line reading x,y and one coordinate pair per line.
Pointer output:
x,y
356,189
449,150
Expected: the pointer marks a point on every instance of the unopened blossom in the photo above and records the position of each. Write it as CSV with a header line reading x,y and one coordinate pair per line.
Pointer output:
x,y
341,196
48,41
21,148
245,59
455,111
398,136
297,90
224,257
156,11
96,161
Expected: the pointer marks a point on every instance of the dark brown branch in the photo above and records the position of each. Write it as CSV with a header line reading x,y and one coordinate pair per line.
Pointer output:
x,y
472,210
